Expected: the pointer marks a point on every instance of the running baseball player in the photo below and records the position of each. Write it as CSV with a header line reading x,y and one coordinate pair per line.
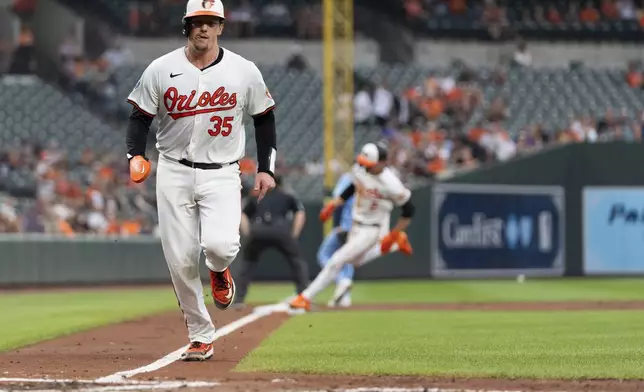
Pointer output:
x,y
377,190
200,93
338,237
334,240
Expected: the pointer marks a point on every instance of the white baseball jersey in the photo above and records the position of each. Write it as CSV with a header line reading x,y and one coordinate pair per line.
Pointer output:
x,y
376,195
201,112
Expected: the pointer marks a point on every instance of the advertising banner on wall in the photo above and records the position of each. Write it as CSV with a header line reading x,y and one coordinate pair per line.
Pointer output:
x,y
613,224
497,231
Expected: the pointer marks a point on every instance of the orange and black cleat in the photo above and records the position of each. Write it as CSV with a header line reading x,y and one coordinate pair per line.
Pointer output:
x,y
301,303
223,288
198,351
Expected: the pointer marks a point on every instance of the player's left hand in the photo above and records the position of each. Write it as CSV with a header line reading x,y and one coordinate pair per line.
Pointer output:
x,y
264,182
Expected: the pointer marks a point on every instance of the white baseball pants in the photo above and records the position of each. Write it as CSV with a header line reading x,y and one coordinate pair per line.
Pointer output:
x,y
198,209
362,241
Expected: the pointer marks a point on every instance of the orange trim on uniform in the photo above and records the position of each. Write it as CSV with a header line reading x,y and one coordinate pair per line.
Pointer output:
x,y
139,108
264,112
204,13
364,161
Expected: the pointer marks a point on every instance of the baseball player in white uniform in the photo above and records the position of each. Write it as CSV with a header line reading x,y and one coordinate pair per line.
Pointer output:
x,y
377,190
200,93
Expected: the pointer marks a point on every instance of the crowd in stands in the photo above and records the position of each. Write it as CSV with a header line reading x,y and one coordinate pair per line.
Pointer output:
x,y
500,12
89,195
303,19
244,18
432,150
500,17
94,79
429,126
17,52
443,140
92,194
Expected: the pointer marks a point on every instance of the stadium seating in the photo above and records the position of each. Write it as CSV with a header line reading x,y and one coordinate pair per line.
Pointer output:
x,y
440,22
33,110
36,111
549,96
168,17
521,19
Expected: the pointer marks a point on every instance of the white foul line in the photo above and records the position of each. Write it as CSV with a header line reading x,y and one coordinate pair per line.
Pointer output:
x,y
71,381
257,313
389,389
131,386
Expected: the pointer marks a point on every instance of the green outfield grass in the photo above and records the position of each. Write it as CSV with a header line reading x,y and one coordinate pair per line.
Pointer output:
x,y
30,317
465,343
48,314
432,291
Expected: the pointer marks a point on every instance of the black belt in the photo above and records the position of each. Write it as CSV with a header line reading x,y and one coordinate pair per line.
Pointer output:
x,y
204,166
357,222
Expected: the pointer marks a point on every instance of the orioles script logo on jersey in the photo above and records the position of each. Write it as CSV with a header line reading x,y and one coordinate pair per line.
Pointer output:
x,y
371,192
188,105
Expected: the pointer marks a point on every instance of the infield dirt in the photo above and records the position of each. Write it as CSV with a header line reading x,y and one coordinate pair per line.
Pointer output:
x,y
107,350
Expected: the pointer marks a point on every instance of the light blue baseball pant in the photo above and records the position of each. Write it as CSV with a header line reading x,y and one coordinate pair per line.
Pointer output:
x,y
332,242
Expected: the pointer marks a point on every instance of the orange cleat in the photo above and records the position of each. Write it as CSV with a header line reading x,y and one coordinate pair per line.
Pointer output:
x,y
300,302
223,288
198,351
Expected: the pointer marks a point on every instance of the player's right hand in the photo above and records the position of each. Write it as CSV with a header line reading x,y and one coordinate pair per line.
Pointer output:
x,y
327,211
140,168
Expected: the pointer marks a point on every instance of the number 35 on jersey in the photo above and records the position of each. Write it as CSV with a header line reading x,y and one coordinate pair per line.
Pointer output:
x,y
201,111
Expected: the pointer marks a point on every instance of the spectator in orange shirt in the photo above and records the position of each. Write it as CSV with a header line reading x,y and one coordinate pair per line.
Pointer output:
x,y
635,79
113,227
475,133
24,8
609,10
433,108
131,227
633,76
589,14
457,7
65,228
553,15
414,9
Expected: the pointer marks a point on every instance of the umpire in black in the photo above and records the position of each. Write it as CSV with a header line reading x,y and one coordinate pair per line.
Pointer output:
x,y
276,222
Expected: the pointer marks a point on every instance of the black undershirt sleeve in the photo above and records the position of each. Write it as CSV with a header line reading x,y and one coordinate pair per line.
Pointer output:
x,y
137,133
266,140
351,189
408,209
